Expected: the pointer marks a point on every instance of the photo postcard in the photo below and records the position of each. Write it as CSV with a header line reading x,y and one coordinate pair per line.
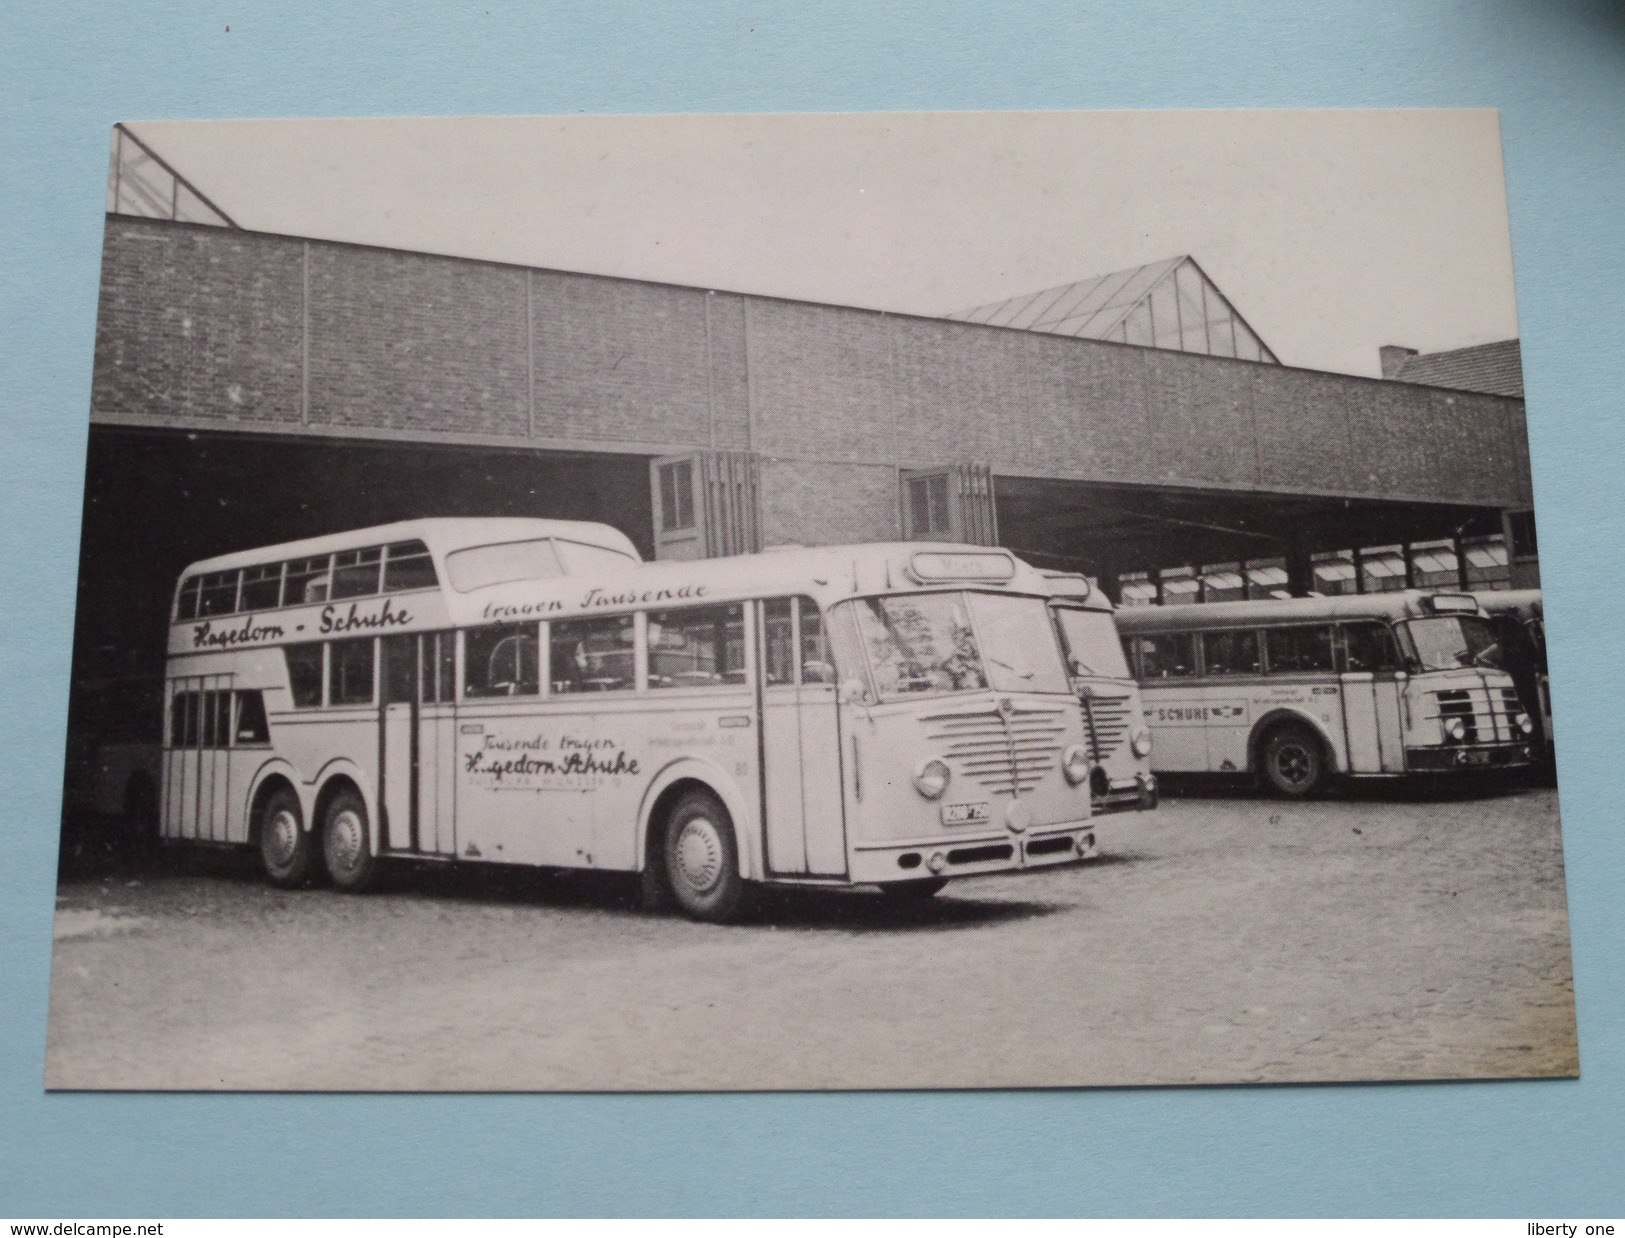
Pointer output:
x,y
789,602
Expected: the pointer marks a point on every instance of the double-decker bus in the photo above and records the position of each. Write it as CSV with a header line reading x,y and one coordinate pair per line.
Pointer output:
x,y
529,693
1301,690
1519,616
1119,741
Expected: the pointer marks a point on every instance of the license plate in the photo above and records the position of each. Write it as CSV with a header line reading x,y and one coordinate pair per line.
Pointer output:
x,y
965,814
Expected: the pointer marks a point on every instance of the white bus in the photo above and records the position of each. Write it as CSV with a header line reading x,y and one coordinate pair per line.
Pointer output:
x,y
1119,741
1301,690
528,693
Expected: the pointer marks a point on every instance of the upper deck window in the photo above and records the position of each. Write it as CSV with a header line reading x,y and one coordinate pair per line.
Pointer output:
x,y
262,587
217,593
306,581
407,565
355,572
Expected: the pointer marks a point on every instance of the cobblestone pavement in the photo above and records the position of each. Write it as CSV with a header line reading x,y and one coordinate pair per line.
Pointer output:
x,y
1222,939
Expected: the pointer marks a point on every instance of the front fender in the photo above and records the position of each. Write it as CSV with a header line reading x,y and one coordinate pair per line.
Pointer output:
x,y
727,789
1293,713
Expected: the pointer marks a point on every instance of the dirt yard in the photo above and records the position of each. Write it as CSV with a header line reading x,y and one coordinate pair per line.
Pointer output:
x,y
1222,938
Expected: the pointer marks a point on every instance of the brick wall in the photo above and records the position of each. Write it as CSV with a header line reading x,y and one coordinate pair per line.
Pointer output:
x,y
214,328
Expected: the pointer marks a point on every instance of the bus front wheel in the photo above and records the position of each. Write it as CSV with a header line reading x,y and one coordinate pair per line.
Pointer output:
x,y
345,845
287,850
1294,762
702,858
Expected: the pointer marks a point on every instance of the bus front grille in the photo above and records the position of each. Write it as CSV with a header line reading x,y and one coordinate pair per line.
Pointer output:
x,y
1011,755
1489,714
1108,718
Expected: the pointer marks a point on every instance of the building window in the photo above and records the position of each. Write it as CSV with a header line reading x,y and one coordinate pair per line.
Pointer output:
x,y
677,496
928,506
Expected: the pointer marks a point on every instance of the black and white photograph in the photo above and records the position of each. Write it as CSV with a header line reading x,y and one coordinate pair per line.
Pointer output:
x,y
808,601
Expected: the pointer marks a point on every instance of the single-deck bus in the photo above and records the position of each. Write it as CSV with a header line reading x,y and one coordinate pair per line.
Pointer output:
x,y
1119,741
1300,690
528,693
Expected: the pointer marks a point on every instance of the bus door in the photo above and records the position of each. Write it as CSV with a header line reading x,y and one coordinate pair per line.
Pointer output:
x,y
801,742
417,744
197,758
1370,682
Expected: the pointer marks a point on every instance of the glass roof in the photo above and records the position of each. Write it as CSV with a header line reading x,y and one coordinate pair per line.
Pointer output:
x,y
1167,304
140,182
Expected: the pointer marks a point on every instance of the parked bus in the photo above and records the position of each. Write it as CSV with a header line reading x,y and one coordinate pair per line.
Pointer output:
x,y
1520,619
1119,741
528,693
1300,690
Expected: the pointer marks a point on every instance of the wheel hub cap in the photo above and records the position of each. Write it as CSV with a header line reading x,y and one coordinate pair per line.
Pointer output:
x,y
345,841
282,838
699,854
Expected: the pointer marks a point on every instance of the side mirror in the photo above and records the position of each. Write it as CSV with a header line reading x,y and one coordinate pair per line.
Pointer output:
x,y
854,693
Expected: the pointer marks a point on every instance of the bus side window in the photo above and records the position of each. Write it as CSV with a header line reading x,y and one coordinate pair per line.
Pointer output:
x,y
216,720
218,594
1169,655
349,672
1231,653
252,727
187,603
262,587
817,662
304,673
400,654
407,565
501,661
1299,649
697,647
355,572
591,655
1369,647
779,632
305,581
183,719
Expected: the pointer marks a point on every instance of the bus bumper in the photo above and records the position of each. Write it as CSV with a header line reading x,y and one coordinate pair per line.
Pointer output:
x,y
1135,794
967,857
1468,757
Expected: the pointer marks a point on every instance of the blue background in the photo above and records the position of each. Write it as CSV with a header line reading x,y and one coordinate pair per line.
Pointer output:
x,y
1557,71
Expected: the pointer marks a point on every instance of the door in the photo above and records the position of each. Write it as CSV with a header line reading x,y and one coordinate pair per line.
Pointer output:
x,y
416,744
804,818
197,758
1370,683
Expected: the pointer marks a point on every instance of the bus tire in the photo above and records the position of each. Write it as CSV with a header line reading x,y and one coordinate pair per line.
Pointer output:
x,y
287,850
916,890
702,858
1293,761
346,848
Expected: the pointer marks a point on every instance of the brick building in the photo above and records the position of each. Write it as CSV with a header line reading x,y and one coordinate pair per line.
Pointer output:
x,y
251,388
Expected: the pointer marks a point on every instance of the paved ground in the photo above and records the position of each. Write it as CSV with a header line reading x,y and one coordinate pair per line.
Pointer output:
x,y
1222,939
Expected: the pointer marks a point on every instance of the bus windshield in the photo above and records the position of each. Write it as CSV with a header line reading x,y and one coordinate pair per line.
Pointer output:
x,y
1092,647
958,642
1450,642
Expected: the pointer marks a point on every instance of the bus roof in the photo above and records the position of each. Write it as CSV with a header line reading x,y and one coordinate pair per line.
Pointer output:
x,y
1525,603
440,534
1408,604
826,573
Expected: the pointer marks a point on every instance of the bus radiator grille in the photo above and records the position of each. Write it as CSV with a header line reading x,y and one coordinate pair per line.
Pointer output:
x,y
1487,714
1111,718
980,746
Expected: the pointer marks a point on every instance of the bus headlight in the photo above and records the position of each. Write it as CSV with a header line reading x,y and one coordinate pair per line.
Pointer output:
x,y
1455,728
931,777
1526,724
1075,764
1140,741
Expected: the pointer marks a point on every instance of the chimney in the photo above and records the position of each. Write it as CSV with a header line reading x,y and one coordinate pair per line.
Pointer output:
x,y
1393,356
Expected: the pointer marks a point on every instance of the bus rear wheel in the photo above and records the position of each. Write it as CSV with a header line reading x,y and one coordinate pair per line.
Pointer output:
x,y
346,848
287,850
702,858
1294,762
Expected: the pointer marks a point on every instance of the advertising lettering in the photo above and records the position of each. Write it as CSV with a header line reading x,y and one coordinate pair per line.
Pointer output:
x,y
536,762
594,599
1199,715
